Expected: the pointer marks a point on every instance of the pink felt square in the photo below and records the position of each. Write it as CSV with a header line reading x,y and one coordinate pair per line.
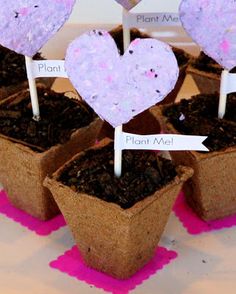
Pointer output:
x,y
72,264
42,228
193,224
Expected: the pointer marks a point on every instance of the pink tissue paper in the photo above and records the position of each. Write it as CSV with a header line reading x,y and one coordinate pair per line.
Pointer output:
x,y
72,264
42,228
193,224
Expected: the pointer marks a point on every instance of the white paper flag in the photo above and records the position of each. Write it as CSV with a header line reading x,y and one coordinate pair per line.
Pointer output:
x,y
150,20
159,142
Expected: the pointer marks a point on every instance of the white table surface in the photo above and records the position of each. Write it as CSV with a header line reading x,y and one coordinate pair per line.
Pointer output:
x,y
24,256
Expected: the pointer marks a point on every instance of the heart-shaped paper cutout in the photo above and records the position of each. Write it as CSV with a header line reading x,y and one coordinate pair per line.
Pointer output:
x,y
26,25
128,4
212,24
118,88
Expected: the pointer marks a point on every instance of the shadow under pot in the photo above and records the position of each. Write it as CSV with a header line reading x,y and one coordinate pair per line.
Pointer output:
x,y
31,150
211,190
13,77
145,123
117,222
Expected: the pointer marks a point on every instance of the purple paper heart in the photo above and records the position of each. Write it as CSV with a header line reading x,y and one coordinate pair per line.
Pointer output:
x,y
212,24
26,25
128,4
118,88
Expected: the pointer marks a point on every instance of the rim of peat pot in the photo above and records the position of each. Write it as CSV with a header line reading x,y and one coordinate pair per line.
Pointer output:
x,y
36,165
206,191
111,239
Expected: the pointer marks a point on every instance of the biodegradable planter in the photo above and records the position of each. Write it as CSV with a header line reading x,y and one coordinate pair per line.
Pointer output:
x,y
207,82
111,239
22,170
211,190
206,73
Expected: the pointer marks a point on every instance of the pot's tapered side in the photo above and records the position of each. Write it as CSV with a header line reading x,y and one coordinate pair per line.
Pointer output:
x,y
211,190
111,239
22,170
207,83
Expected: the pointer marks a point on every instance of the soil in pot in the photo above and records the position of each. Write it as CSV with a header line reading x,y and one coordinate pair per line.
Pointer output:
x,y
60,117
211,190
117,223
12,67
199,116
13,77
32,150
142,174
205,63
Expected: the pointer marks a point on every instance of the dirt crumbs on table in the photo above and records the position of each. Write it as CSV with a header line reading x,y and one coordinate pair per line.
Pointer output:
x,y
199,116
60,117
142,174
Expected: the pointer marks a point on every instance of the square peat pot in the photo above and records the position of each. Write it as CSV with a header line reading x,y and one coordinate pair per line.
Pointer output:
x,y
211,190
111,239
206,73
22,169
207,82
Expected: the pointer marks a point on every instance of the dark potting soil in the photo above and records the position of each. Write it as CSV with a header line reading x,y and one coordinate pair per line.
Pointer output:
x,y
117,35
142,174
199,116
12,67
206,63
60,117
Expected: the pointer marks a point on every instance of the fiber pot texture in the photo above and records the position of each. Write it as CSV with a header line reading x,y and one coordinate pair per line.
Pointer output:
x,y
211,190
22,170
111,239
145,123
206,82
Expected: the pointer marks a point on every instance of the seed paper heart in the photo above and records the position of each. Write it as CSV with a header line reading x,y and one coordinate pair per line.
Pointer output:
x,y
212,24
120,87
26,25
128,4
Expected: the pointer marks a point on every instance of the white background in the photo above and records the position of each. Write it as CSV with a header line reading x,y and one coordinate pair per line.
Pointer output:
x,y
108,11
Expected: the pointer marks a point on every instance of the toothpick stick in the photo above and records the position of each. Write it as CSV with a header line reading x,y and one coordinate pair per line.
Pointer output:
x,y
32,88
223,93
118,130
118,154
126,31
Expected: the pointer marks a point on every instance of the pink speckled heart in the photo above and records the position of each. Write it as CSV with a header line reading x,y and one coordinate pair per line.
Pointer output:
x,y
212,24
26,25
128,4
120,87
